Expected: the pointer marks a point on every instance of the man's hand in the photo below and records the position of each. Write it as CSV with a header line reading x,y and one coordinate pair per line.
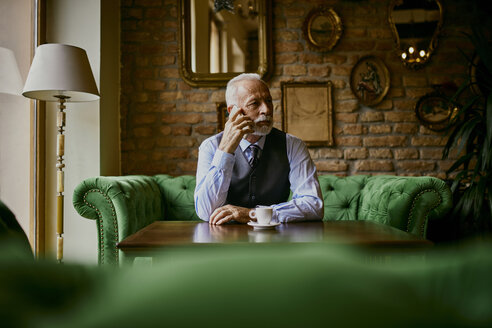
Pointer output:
x,y
235,128
228,213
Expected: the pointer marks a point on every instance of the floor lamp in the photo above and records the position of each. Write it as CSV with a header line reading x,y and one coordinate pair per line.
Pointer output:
x,y
60,73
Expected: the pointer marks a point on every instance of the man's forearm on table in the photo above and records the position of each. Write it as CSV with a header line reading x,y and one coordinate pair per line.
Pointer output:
x,y
299,209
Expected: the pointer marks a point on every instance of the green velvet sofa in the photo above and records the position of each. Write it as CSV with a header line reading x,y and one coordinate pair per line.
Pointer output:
x,y
125,204
310,285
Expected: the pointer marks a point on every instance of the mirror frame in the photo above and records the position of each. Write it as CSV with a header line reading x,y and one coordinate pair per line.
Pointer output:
x,y
433,98
265,67
432,44
336,25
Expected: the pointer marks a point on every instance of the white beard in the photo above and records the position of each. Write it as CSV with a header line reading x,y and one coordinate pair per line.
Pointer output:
x,y
262,130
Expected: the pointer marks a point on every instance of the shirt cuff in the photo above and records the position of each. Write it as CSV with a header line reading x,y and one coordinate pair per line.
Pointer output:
x,y
274,216
223,160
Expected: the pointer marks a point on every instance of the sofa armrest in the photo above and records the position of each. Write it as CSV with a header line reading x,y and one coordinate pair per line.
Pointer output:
x,y
404,202
120,205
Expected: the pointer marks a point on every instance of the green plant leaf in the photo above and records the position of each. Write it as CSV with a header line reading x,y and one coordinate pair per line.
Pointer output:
x,y
450,143
462,160
471,102
465,132
487,160
489,197
487,146
478,196
470,131
463,87
488,114
465,203
482,46
459,177
462,116
454,137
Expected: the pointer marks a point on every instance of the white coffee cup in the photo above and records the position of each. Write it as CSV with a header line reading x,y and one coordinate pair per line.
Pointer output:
x,y
263,215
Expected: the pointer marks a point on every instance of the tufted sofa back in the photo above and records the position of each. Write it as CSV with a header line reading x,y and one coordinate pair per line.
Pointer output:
x,y
385,199
402,202
341,196
177,197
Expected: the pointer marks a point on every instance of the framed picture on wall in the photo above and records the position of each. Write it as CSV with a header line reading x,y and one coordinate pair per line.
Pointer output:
x,y
435,111
307,109
370,80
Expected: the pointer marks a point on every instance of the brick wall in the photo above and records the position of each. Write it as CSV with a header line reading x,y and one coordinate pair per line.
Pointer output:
x,y
163,120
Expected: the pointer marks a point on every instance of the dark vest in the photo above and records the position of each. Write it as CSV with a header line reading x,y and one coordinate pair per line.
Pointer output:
x,y
269,182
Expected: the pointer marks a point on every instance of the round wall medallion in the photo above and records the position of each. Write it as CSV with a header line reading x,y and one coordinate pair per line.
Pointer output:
x,y
369,80
322,28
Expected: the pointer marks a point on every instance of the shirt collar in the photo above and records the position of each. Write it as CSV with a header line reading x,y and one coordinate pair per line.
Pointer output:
x,y
244,144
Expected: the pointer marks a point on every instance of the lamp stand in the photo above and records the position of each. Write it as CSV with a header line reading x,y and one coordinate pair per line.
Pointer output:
x,y
60,152
58,70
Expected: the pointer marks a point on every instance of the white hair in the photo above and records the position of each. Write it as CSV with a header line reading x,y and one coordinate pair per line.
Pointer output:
x,y
232,85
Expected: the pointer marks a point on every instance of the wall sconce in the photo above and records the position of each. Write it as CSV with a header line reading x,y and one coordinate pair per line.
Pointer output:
x,y
412,55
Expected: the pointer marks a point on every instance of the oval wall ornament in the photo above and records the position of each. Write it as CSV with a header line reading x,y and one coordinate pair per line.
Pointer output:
x,y
370,80
322,28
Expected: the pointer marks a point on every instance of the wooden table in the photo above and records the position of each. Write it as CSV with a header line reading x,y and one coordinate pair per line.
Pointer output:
x,y
372,235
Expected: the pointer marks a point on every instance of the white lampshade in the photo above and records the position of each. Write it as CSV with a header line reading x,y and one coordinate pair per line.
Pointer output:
x,y
10,79
60,70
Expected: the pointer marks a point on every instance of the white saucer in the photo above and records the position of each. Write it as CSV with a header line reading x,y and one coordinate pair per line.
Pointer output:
x,y
258,226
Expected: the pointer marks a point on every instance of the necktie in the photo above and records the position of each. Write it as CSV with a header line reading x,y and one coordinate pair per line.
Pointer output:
x,y
254,159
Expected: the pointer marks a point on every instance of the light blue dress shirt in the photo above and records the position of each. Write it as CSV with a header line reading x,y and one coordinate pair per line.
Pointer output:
x,y
214,173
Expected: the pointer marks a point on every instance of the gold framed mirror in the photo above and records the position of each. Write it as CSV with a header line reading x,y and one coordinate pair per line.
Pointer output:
x,y
322,28
415,25
216,46
435,111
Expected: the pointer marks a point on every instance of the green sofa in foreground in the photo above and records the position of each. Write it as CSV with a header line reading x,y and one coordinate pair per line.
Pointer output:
x,y
125,204
285,286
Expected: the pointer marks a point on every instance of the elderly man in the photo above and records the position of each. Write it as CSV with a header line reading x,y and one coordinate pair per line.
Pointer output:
x,y
251,163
